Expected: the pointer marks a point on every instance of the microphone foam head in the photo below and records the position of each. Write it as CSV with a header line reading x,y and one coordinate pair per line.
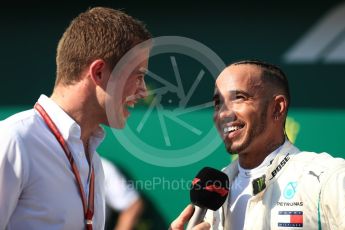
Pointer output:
x,y
209,189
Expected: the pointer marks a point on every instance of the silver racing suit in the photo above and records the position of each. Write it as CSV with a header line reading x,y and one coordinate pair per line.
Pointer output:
x,y
300,190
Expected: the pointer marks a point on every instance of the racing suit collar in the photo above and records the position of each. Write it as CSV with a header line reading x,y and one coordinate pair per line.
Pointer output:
x,y
286,152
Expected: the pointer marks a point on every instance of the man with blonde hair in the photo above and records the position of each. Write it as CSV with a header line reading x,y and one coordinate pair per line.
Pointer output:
x,y
50,174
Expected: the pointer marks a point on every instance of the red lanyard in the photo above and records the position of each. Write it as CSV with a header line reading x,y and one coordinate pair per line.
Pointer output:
x,y
88,208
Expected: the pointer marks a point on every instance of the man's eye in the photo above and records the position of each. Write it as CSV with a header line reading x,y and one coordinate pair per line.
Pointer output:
x,y
240,97
216,105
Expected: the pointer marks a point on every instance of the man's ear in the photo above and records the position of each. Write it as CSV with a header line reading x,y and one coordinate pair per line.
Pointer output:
x,y
98,73
280,107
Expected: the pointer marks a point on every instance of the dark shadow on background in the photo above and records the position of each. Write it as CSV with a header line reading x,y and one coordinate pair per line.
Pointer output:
x,y
150,219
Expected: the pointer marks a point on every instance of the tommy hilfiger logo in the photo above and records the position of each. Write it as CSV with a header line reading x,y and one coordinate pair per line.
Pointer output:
x,y
290,219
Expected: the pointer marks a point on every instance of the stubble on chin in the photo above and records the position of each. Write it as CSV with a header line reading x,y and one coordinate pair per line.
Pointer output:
x,y
230,149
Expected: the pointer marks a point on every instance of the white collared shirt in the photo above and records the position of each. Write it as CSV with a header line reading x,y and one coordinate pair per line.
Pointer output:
x,y
38,189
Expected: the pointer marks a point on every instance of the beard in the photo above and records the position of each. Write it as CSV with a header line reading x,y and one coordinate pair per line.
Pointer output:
x,y
258,126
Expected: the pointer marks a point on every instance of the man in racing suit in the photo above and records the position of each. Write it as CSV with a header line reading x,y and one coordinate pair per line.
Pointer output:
x,y
273,185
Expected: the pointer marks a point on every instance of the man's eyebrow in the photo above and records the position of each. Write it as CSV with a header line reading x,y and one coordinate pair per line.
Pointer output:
x,y
236,92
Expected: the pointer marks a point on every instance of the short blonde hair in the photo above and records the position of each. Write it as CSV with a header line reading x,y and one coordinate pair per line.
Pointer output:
x,y
97,33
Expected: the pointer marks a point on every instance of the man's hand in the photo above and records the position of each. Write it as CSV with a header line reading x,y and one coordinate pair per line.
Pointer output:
x,y
180,221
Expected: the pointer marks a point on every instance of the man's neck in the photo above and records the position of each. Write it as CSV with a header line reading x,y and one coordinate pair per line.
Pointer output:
x,y
250,160
76,104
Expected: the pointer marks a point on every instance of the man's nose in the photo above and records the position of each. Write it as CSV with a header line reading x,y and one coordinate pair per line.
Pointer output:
x,y
226,112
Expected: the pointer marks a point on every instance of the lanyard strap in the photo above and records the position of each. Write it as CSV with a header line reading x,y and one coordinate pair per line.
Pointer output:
x,y
87,207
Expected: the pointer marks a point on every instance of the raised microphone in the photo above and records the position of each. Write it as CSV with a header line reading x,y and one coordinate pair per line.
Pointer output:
x,y
209,190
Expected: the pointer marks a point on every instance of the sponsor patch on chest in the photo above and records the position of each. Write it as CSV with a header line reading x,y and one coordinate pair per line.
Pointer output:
x,y
290,219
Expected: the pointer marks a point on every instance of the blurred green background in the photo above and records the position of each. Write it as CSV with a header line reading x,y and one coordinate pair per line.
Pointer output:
x,y
306,39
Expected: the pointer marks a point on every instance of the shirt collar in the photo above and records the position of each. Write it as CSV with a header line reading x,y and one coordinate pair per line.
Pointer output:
x,y
286,152
67,126
233,169
96,138
259,170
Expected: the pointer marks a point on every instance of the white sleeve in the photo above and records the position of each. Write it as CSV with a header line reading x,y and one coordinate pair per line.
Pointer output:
x,y
12,174
119,194
333,199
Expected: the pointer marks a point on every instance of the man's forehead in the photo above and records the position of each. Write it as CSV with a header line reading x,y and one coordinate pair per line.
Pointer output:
x,y
239,75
